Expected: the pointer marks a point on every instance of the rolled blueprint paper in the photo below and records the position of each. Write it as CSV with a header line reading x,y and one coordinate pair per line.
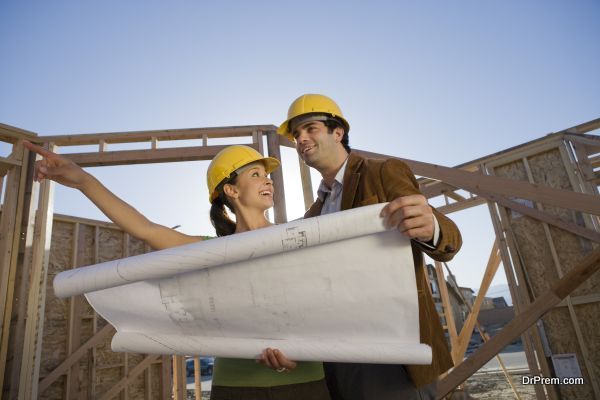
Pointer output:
x,y
220,251
329,350
334,288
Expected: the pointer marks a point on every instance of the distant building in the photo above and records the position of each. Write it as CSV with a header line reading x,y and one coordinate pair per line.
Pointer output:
x,y
467,294
459,309
491,303
487,303
499,302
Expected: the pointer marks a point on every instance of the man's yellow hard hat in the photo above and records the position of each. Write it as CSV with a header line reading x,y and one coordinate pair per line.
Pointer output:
x,y
228,161
309,104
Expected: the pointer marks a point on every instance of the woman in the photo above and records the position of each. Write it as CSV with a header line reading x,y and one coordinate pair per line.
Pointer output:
x,y
237,179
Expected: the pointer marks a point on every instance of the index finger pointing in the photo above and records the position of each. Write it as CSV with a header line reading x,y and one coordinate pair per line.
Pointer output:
x,y
37,149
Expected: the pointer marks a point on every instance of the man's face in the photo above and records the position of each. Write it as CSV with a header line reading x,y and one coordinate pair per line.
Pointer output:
x,y
315,145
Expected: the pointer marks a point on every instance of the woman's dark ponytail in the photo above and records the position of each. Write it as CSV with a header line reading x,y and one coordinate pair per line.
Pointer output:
x,y
218,216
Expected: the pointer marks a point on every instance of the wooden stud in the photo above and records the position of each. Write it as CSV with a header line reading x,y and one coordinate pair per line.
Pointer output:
x,y
148,383
448,315
10,227
36,303
307,190
166,378
21,279
75,308
197,378
277,177
179,378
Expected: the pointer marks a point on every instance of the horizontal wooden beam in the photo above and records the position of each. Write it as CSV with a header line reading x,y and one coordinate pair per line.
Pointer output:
x,y
461,205
154,135
544,216
149,156
437,188
12,134
528,316
585,127
585,299
477,183
453,195
8,163
73,220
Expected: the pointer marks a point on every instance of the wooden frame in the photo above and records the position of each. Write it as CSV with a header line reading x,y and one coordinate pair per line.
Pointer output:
x,y
579,152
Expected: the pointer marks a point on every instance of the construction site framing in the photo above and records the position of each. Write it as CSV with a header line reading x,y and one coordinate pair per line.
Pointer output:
x,y
543,202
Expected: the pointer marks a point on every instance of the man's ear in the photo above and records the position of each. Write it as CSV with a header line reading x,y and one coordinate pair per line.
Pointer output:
x,y
230,190
339,134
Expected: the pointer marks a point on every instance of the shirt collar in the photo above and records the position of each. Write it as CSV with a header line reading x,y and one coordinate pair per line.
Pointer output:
x,y
323,189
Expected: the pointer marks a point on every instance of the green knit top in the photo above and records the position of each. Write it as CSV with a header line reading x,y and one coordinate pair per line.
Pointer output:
x,y
237,373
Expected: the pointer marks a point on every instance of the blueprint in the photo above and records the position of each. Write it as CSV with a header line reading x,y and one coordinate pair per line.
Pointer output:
x,y
338,287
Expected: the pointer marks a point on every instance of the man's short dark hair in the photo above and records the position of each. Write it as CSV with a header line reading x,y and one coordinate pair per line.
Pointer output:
x,y
331,124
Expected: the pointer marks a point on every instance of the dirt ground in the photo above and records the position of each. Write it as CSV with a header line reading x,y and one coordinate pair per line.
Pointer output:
x,y
493,385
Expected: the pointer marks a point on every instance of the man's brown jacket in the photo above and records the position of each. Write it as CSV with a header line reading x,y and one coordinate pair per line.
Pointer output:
x,y
369,181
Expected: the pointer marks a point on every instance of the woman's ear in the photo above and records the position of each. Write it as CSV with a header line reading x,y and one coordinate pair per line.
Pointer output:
x,y
230,191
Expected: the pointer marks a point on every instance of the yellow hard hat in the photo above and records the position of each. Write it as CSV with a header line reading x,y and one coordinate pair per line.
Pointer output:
x,y
308,104
228,161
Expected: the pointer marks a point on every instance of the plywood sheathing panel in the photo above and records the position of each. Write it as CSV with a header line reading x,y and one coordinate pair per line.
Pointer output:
x,y
530,239
136,387
155,380
108,366
56,327
106,378
548,169
561,336
541,270
589,321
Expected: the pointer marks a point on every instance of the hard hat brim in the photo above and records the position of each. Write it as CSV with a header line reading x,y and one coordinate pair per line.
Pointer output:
x,y
270,164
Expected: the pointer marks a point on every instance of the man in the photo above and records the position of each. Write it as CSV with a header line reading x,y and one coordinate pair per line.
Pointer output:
x,y
316,124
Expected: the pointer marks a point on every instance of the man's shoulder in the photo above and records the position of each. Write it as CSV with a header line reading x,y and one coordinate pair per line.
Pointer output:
x,y
376,165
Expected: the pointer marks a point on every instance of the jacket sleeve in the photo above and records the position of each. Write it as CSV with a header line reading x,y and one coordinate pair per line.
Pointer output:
x,y
398,180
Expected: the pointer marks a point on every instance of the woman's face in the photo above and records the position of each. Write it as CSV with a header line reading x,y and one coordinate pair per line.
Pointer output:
x,y
253,188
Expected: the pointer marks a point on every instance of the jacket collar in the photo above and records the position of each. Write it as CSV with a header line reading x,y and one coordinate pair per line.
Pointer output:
x,y
351,179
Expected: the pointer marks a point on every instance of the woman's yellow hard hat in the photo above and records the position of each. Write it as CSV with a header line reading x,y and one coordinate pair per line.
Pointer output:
x,y
310,104
230,159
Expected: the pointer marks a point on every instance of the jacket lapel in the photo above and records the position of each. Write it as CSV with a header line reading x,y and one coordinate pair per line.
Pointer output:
x,y
314,210
351,179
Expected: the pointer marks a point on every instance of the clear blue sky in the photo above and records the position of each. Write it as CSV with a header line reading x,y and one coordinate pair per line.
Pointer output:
x,y
443,82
